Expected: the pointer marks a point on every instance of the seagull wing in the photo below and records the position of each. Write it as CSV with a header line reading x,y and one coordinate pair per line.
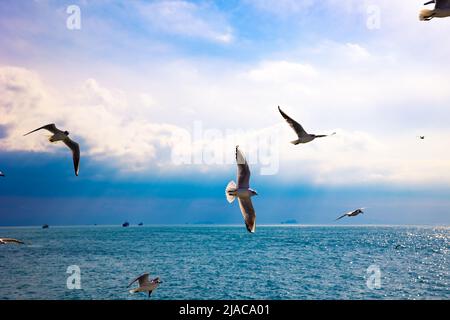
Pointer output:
x,y
294,124
344,215
248,213
10,240
442,4
50,127
143,278
243,171
75,153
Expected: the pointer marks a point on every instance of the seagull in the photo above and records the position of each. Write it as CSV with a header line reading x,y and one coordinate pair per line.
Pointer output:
x,y
243,191
441,10
10,240
63,136
303,136
421,137
353,213
2,174
145,285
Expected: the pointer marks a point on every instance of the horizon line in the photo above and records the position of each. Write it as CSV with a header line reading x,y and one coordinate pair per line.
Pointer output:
x,y
228,225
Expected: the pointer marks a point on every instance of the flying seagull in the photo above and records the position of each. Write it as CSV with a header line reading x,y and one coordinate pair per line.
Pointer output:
x,y
441,10
303,136
145,285
63,136
10,240
243,191
421,137
353,213
2,174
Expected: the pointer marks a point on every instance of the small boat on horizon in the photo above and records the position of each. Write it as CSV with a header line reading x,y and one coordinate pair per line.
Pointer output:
x,y
45,226
125,224
140,224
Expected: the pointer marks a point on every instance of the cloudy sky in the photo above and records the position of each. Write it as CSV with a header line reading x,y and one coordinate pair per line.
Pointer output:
x,y
158,93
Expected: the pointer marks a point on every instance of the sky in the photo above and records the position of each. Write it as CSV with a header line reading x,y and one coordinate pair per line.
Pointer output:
x,y
158,93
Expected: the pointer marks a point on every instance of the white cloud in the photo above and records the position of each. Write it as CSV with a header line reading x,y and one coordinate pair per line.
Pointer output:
x,y
100,119
188,19
121,128
281,7
282,71
378,94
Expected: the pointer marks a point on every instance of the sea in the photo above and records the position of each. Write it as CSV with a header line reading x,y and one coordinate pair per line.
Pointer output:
x,y
278,262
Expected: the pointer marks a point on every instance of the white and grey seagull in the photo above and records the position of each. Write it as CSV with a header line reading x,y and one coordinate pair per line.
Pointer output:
x,y
303,136
2,174
243,191
353,213
145,285
441,10
10,240
59,135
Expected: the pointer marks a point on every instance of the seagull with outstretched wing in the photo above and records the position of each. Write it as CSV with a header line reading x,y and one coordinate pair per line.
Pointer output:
x,y
145,285
10,241
441,10
353,213
59,135
303,136
242,191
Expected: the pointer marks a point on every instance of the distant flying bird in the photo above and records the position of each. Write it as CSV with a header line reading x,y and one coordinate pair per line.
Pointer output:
x,y
10,240
353,213
2,174
145,285
63,136
421,137
303,136
441,10
243,191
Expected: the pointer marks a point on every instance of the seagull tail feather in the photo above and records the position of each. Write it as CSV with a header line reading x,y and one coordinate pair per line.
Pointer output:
x,y
229,190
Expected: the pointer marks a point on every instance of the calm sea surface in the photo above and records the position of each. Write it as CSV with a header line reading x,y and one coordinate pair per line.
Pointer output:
x,y
226,262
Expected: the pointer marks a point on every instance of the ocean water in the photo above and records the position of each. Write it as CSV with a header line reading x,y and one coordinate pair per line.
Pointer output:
x,y
226,262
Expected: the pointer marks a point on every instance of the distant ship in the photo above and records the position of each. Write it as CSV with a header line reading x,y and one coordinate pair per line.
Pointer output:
x,y
140,224
45,226
125,224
